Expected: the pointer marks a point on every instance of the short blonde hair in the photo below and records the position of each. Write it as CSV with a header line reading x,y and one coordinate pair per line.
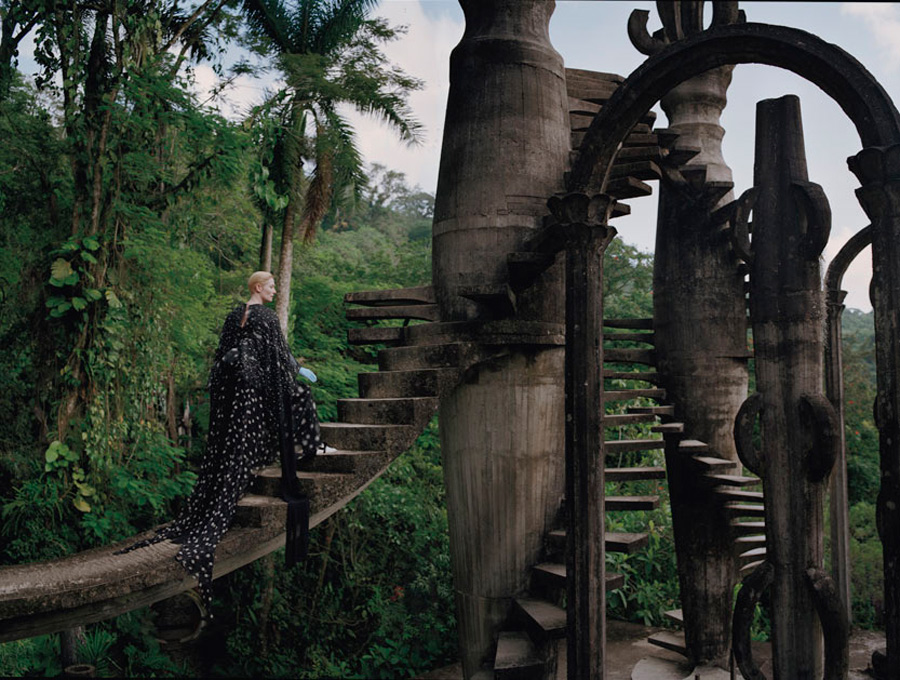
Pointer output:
x,y
258,277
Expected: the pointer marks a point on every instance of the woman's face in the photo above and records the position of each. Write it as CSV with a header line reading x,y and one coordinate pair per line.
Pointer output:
x,y
267,290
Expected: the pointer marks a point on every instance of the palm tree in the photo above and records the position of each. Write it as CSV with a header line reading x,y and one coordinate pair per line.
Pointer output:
x,y
328,52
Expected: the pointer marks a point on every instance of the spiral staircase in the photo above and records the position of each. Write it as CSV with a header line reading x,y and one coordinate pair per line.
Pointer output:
x,y
420,362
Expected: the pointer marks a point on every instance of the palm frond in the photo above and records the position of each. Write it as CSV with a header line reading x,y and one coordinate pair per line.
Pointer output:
x,y
269,19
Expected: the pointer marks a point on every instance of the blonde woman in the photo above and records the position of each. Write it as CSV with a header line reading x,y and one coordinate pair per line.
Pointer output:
x,y
258,410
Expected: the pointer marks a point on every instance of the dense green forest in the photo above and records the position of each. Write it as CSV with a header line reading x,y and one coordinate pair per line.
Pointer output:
x,y
131,214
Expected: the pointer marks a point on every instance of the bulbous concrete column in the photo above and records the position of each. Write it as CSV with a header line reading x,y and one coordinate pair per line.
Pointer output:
x,y
700,325
505,149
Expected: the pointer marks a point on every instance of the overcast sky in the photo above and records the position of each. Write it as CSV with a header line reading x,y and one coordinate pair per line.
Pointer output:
x,y
592,35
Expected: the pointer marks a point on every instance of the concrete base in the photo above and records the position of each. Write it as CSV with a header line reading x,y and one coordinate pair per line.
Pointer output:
x,y
628,653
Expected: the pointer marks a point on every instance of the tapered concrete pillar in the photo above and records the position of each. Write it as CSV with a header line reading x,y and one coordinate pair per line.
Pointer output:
x,y
701,330
505,148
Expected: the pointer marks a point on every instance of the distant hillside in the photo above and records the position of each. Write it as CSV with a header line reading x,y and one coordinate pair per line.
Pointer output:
x,y
858,323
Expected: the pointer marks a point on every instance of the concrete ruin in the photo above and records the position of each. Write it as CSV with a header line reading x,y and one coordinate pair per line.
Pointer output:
x,y
516,356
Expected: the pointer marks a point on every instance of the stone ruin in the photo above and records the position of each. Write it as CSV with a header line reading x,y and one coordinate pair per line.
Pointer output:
x,y
516,356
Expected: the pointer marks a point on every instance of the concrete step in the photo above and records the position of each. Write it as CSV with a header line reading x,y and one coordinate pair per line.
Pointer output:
x,y
633,324
758,553
692,447
664,410
337,461
750,566
254,511
675,616
499,298
631,474
752,541
376,335
362,437
631,503
648,338
651,377
543,620
733,480
423,312
745,509
618,420
711,463
615,446
631,356
267,482
394,411
420,295
524,267
517,658
420,383
674,642
618,542
668,428
418,357
622,395
643,170
729,493
745,527
629,187
553,575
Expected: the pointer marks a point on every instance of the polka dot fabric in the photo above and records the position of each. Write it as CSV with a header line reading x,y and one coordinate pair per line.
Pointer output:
x,y
257,408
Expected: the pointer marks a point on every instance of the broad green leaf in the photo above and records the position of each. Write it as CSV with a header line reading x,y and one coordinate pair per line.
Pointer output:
x,y
81,504
52,452
87,257
79,303
54,301
71,279
92,294
60,309
90,243
113,299
61,269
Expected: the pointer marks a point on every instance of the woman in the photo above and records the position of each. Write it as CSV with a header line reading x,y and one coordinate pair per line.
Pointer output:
x,y
257,410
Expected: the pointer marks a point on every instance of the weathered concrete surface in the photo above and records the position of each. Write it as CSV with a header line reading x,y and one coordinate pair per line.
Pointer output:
x,y
627,646
701,329
501,440
505,150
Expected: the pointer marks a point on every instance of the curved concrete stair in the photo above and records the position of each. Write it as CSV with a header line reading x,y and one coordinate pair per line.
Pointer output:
x,y
368,437
648,338
619,542
378,313
375,335
631,503
419,295
674,642
410,383
553,575
622,395
644,376
517,658
732,480
629,355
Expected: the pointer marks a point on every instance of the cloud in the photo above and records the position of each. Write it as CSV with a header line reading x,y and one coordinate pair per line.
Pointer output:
x,y
883,19
424,53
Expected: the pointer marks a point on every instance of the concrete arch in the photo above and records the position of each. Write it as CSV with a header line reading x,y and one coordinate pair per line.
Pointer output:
x,y
829,67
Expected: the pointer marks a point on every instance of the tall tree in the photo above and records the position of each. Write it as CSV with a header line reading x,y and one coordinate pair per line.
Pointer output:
x,y
329,54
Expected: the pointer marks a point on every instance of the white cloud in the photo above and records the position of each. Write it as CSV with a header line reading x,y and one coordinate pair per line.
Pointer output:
x,y
424,53
883,19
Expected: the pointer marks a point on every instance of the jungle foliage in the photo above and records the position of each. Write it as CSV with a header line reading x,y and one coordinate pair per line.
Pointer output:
x,y
130,215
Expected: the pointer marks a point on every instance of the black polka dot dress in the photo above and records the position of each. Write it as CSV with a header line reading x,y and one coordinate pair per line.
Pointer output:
x,y
257,410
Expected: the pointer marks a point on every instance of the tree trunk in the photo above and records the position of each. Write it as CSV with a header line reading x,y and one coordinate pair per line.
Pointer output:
x,y
285,266
265,248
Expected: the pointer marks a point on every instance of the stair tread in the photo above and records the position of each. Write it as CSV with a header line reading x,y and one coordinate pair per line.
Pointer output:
x,y
667,428
676,615
515,651
669,640
644,376
734,480
620,419
374,335
422,295
753,552
662,410
620,445
557,572
738,494
690,445
648,338
649,502
753,539
616,541
374,313
750,566
626,355
548,617
713,463
746,509
621,395
629,474
746,525
638,324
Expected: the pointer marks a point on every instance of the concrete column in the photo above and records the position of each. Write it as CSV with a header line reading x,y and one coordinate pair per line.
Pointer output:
x,y
505,148
701,327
